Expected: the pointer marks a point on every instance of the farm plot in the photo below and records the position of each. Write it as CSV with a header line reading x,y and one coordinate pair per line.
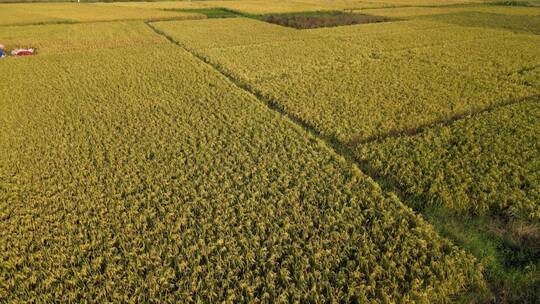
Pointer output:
x,y
516,23
37,13
412,12
258,7
398,3
59,38
234,32
254,7
157,180
10,15
488,163
497,60
333,83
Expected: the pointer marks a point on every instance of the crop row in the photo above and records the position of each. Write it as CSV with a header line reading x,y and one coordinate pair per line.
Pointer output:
x,y
129,177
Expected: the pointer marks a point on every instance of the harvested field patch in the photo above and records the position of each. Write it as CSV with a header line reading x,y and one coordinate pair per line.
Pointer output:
x,y
256,7
302,21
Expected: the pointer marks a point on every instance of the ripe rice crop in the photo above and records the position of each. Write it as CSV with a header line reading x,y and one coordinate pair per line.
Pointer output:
x,y
256,7
400,12
260,7
61,38
36,13
397,3
487,163
139,174
233,32
10,15
530,76
333,82
516,23
497,57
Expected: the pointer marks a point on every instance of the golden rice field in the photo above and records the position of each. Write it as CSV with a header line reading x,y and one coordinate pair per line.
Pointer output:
x,y
410,12
153,154
493,168
513,23
58,38
37,13
331,79
279,6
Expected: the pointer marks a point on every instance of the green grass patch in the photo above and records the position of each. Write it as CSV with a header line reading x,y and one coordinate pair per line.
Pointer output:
x,y
211,12
511,260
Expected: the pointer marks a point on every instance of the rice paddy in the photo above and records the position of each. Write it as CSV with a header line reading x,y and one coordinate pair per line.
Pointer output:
x,y
166,152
